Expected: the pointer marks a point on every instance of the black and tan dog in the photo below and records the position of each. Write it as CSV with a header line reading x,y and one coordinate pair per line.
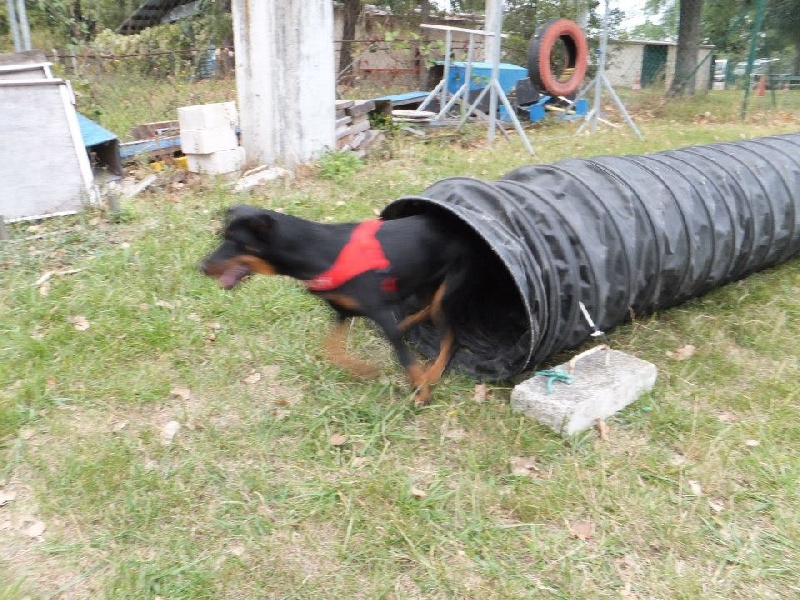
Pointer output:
x,y
360,269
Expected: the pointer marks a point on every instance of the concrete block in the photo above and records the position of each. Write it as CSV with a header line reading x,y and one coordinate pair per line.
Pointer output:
x,y
208,116
598,391
206,141
217,163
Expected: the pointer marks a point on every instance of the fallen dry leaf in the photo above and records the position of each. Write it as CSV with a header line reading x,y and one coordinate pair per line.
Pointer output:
x,y
716,505
119,426
418,493
337,439
254,377
50,382
695,487
682,353
26,434
522,465
480,393
6,497
164,304
602,429
80,322
32,527
168,432
583,529
44,289
752,443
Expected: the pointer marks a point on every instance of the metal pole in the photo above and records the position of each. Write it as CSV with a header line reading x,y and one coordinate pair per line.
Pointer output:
x,y
497,40
601,69
22,16
752,55
12,22
468,73
448,42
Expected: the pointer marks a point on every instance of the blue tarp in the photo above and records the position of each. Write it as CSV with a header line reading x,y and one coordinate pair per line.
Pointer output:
x,y
92,133
104,144
395,98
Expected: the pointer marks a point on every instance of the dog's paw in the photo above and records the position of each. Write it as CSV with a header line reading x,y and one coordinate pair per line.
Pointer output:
x,y
422,397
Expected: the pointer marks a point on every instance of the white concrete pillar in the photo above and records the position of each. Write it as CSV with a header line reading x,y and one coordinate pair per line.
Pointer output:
x,y
285,79
489,25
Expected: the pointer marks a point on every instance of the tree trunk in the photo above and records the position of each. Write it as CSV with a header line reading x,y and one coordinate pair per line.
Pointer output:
x,y
797,58
352,10
689,28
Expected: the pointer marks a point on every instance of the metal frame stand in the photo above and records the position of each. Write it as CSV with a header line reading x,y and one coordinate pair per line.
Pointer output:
x,y
598,83
493,86
441,88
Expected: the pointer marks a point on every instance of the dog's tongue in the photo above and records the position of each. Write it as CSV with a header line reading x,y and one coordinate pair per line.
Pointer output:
x,y
231,276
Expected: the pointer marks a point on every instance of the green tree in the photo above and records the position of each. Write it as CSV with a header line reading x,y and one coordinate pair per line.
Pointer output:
x,y
351,12
783,18
652,31
728,25
77,21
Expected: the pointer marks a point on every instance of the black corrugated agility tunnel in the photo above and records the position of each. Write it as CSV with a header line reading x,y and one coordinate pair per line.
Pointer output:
x,y
618,233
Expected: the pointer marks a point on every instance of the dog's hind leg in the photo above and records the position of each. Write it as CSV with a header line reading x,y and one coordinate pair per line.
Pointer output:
x,y
446,344
421,315
337,353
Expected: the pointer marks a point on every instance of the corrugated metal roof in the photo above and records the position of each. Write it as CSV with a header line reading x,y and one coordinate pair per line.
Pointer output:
x,y
152,12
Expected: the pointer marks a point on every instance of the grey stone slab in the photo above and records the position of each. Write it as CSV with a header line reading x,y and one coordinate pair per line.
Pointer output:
x,y
604,383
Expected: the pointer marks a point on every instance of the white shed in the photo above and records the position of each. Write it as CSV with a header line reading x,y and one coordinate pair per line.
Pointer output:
x,y
638,63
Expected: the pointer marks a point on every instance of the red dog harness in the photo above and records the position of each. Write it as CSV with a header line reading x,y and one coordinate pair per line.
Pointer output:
x,y
360,254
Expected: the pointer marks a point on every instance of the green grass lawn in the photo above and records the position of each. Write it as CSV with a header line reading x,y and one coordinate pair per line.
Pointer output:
x,y
286,478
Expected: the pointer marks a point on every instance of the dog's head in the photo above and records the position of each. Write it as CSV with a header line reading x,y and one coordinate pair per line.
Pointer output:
x,y
245,235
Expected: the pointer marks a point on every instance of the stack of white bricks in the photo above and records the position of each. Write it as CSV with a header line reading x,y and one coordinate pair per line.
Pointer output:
x,y
209,140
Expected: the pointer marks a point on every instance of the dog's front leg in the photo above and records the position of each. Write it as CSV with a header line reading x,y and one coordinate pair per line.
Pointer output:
x,y
335,348
414,370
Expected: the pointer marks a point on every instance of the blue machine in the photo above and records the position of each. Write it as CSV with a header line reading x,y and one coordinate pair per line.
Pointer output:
x,y
481,71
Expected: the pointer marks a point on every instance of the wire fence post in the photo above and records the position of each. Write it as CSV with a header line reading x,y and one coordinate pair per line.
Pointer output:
x,y
751,57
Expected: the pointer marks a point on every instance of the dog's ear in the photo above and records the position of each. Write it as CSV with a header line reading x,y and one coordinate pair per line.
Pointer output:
x,y
256,220
261,224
